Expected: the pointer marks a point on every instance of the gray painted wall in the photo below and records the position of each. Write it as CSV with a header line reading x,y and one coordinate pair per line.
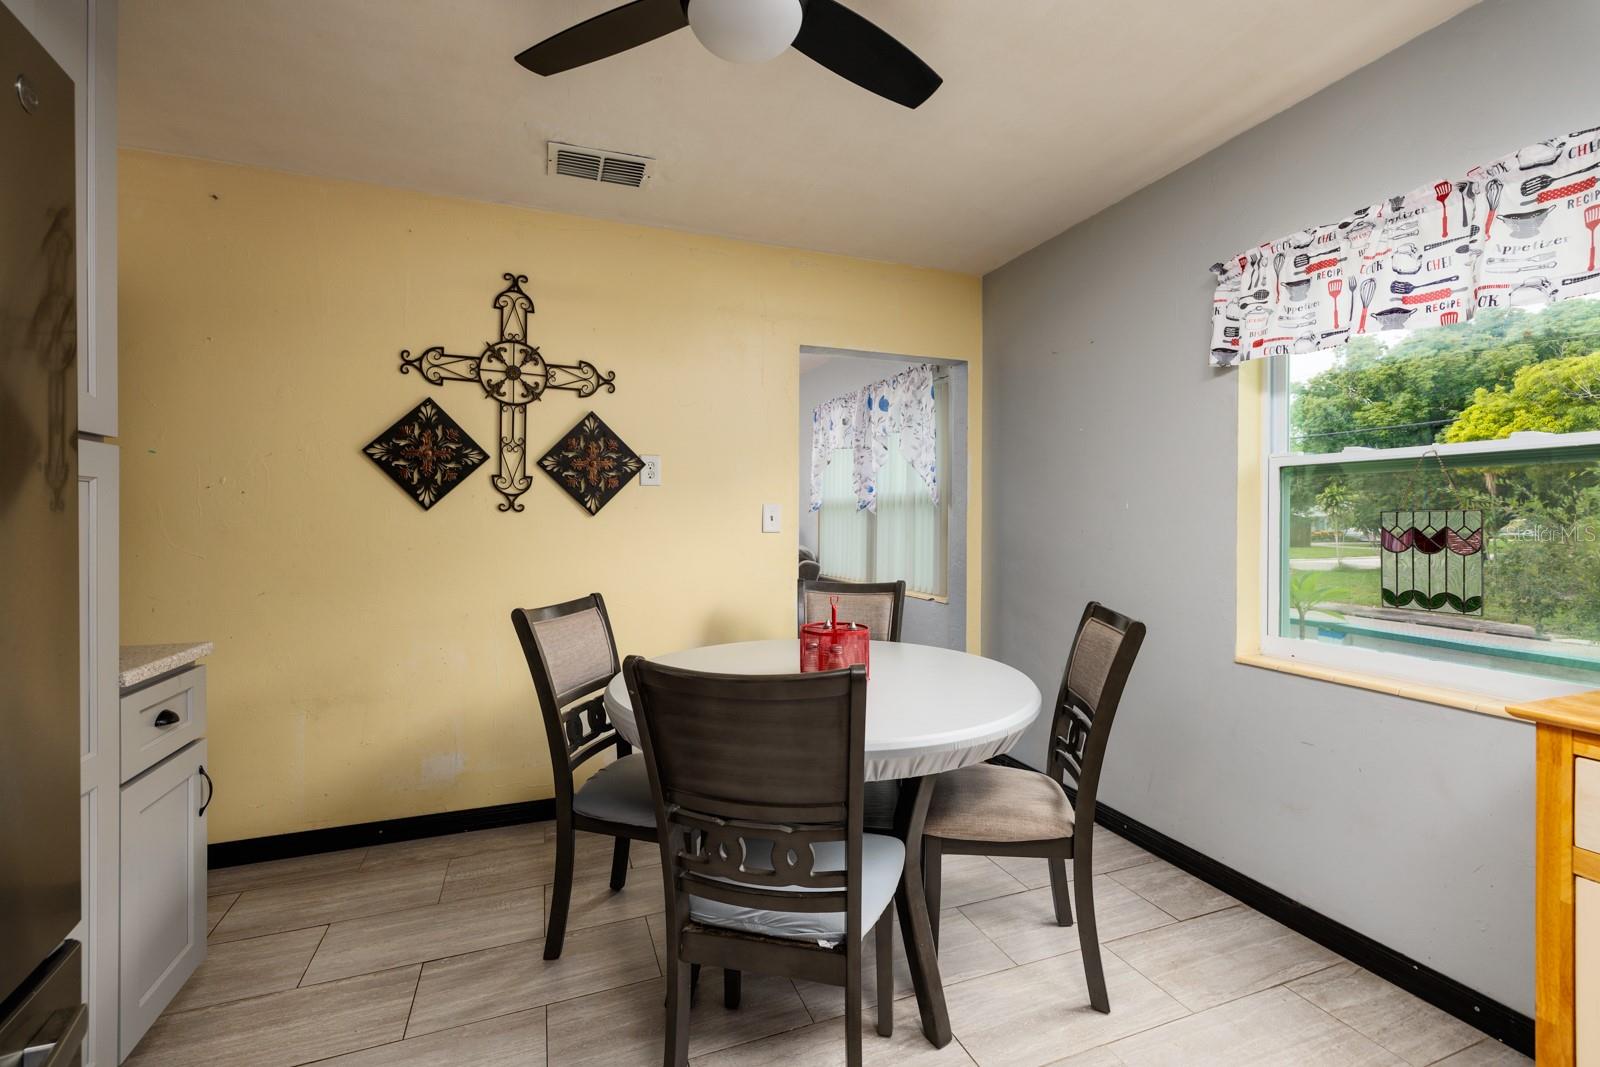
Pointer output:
x,y
1111,476
927,622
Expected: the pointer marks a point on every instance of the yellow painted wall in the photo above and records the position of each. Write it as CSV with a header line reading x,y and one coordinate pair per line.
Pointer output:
x,y
366,667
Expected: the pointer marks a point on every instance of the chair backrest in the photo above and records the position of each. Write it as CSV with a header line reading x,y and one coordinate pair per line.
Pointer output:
x,y
572,656
748,773
1102,657
881,606
810,570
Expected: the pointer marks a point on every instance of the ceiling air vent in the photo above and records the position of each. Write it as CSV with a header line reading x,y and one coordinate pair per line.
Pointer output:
x,y
596,165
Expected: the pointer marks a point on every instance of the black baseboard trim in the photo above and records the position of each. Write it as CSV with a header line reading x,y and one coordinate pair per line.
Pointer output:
x,y
1504,1024
364,835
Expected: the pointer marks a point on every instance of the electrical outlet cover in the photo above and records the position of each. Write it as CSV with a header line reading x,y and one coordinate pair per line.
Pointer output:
x,y
771,514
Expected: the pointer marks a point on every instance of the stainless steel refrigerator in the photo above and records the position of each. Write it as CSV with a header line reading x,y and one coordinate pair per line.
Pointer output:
x,y
42,1017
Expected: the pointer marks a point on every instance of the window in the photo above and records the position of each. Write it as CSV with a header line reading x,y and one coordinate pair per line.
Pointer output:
x,y
906,537
1384,457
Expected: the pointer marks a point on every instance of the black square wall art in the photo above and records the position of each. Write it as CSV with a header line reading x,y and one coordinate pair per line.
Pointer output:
x,y
426,453
591,462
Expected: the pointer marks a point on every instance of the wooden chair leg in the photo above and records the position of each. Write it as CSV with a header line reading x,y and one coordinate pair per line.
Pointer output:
x,y
911,907
694,980
619,864
1060,891
932,861
561,892
732,990
1088,936
679,979
884,948
852,1009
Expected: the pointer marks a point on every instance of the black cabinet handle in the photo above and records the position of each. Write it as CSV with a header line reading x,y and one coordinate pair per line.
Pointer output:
x,y
166,717
211,792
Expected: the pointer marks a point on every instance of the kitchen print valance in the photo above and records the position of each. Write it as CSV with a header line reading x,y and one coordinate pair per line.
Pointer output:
x,y
1517,232
862,422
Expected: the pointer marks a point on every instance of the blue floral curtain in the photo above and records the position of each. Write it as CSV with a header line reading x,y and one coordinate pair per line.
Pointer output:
x,y
863,421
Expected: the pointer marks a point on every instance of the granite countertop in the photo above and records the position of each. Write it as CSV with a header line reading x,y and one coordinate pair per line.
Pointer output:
x,y
140,663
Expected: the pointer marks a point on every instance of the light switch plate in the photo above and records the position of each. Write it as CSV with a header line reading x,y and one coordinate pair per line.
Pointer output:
x,y
651,475
771,514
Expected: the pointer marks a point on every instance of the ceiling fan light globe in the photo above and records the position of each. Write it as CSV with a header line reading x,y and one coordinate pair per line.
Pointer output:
x,y
745,31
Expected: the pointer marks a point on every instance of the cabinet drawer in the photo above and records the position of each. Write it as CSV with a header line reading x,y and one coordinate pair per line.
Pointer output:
x,y
1586,804
161,718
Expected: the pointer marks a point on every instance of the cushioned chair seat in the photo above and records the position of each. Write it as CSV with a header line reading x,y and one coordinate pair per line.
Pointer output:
x,y
986,802
882,859
619,792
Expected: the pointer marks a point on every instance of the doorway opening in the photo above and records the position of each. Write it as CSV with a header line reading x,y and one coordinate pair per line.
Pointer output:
x,y
910,532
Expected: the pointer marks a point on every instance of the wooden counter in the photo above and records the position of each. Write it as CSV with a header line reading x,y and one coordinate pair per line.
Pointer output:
x,y
1567,876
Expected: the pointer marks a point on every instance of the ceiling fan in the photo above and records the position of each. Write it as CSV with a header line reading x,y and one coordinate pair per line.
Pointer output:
x,y
749,31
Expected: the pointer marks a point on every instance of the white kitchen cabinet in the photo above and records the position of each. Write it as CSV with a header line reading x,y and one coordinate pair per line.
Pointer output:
x,y
97,239
100,755
163,886
81,36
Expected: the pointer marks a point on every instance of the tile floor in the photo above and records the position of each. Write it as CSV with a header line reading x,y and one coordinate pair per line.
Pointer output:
x,y
429,952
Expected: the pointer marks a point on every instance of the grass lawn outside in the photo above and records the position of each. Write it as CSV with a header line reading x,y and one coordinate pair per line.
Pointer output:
x,y
1350,587
1326,551
1363,587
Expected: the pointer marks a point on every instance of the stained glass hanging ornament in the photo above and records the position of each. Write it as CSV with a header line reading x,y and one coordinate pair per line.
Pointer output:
x,y
1433,560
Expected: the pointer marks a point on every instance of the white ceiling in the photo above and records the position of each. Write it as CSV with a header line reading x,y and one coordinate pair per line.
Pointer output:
x,y
1051,109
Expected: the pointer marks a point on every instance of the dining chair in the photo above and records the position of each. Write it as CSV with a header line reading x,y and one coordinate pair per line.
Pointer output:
x,y
572,656
880,605
757,789
993,810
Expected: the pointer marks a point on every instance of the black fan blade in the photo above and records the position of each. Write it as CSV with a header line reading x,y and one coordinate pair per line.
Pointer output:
x,y
605,35
859,51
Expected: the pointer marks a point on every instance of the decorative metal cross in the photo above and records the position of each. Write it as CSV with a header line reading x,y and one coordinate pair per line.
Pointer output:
x,y
513,373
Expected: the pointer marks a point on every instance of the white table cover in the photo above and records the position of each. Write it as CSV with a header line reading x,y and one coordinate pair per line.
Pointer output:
x,y
929,710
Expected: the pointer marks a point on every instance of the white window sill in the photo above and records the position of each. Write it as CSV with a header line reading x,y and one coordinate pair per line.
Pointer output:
x,y
1461,699
1487,699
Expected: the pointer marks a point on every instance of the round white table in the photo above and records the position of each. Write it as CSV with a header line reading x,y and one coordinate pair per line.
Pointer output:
x,y
929,710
